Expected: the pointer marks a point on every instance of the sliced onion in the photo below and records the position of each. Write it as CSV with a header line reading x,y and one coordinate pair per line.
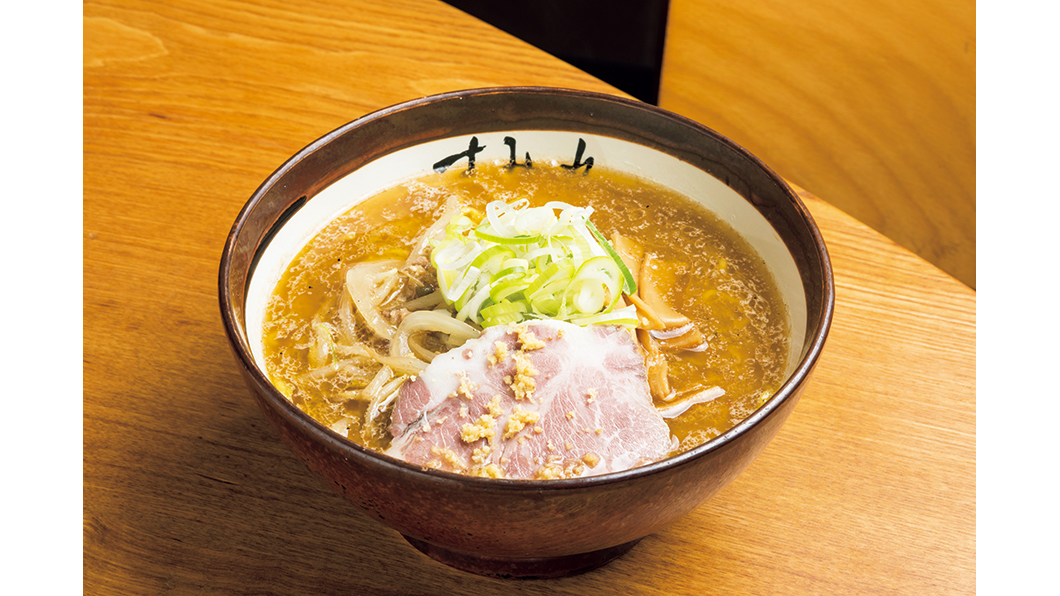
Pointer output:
x,y
450,210
323,348
402,365
347,324
381,392
429,320
424,302
369,284
421,351
331,369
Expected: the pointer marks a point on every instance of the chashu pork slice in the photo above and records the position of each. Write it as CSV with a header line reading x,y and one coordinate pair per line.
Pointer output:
x,y
539,400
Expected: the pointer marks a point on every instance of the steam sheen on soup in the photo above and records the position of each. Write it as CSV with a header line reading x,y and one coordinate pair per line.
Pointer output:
x,y
359,313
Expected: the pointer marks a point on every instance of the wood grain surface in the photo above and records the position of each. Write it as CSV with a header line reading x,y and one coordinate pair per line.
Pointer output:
x,y
188,106
869,103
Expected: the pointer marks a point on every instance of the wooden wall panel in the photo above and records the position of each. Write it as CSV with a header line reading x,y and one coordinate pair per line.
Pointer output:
x,y
870,104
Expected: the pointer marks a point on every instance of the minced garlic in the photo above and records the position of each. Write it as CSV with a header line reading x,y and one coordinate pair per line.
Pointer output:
x,y
549,472
449,456
466,388
494,406
523,384
490,471
482,428
499,355
518,420
481,455
527,339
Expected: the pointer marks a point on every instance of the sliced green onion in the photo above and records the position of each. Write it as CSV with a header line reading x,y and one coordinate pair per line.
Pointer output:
x,y
631,284
493,258
502,313
464,285
507,289
472,306
557,271
492,235
620,316
524,262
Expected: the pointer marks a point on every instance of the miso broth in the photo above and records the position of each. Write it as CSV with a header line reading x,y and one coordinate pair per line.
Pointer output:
x,y
704,269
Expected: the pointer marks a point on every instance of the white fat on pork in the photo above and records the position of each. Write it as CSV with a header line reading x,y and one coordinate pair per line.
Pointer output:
x,y
539,400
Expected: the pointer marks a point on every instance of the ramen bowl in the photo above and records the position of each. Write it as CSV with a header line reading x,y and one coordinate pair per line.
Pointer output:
x,y
518,528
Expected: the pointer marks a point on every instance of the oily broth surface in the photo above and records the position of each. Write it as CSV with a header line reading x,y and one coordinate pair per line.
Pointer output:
x,y
711,276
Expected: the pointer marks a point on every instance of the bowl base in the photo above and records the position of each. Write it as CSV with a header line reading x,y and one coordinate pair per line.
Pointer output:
x,y
522,568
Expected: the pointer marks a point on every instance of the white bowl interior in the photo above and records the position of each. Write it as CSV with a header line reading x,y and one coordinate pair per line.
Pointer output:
x,y
545,147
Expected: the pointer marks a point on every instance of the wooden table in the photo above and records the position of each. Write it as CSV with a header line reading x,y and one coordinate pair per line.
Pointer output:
x,y
189,105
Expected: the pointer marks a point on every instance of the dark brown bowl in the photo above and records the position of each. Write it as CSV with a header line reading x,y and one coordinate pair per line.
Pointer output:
x,y
524,529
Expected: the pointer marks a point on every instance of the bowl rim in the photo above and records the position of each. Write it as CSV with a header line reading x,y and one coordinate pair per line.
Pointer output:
x,y
814,340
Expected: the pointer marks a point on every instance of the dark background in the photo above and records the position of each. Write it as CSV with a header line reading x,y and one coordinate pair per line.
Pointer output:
x,y
617,41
